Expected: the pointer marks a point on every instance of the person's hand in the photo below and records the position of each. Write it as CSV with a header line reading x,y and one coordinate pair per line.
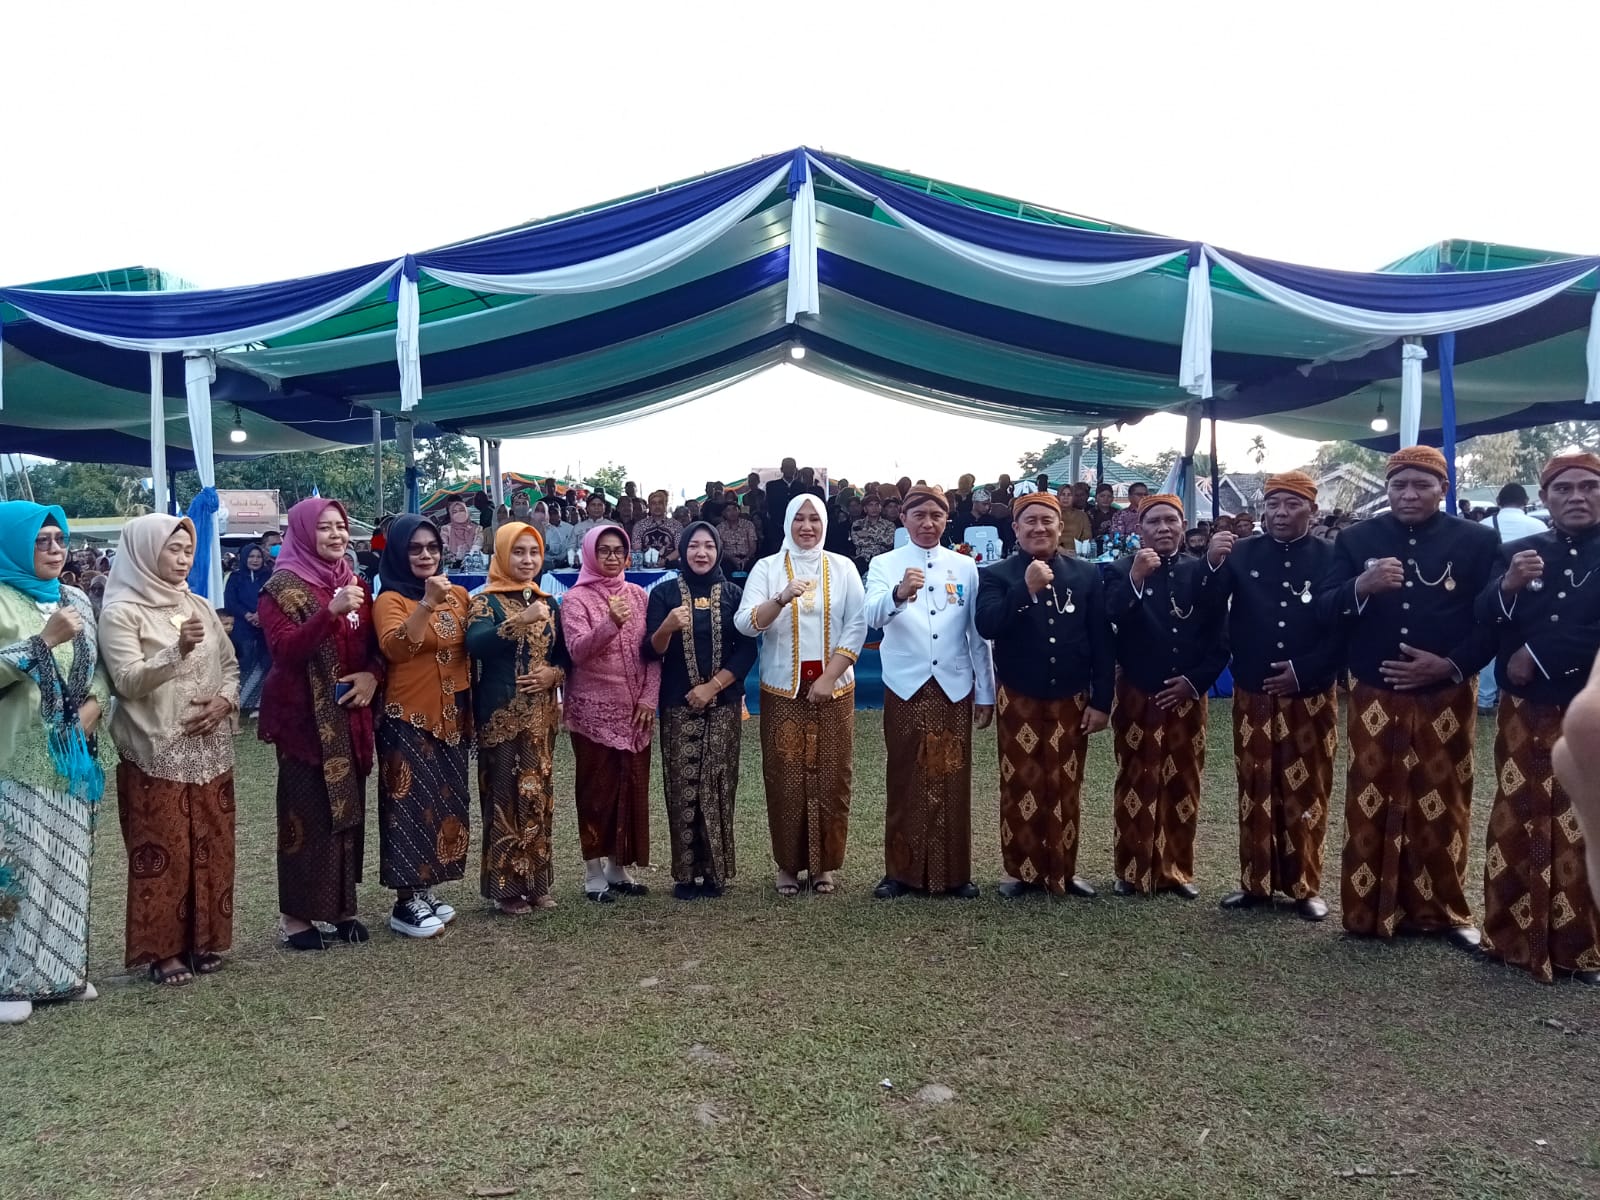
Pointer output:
x,y
1520,667
702,697
1282,682
680,619
363,685
1381,575
1039,576
64,625
534,614
89,716
620,612
1221,546
1177,690
1526,566
793,590
1094,720
982,716
910,584
821,691
205,715
252,619
190,634
347,599
437,591
1418,669
1145,564
644,717
1577,761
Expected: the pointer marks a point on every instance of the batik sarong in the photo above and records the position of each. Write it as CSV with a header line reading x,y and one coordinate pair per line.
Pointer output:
x,y
1161,754
1042,747
424,805
807,759
613,788
1408,809
700,774
46,844
517,795
1283,749
318,866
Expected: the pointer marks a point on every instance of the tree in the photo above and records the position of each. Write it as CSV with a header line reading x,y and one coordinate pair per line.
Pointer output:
x,y
1337,454
1037,460
609,478
1258,450
88,490
1161,466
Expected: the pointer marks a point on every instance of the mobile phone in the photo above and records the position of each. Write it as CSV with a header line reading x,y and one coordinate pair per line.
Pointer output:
x,y
341,690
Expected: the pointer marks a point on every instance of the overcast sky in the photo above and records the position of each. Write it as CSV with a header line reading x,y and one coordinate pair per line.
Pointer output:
x,y
233,144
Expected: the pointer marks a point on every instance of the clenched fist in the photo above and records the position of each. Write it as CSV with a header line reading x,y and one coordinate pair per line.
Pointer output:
x,y
347,599
1381,575
64,625
1526,566
620,612
437,591
1040,576
1145,564
910,584
1221,546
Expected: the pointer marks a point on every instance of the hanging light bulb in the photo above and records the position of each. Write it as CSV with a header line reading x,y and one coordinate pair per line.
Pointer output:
x,y
237,433
797,352
1380,423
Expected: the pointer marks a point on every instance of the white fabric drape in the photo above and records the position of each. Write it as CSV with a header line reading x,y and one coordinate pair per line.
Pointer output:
x,y
1592,394
1412,356
158,431
1194,363
199,373
803,287
408,351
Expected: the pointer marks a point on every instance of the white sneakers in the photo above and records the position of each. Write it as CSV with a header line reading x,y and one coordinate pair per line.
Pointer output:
x,y
414,918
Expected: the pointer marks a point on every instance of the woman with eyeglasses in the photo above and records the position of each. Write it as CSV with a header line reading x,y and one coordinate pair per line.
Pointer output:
x,y
424,727
610,711
52,693
316,710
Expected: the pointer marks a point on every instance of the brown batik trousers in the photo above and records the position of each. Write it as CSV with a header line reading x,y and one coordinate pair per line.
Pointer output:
x,y
807,761
1538,913
1042,750
1283,750
1408,809
928,828
1160,756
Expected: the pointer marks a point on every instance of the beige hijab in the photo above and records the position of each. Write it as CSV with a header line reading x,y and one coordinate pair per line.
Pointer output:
x,y
133,578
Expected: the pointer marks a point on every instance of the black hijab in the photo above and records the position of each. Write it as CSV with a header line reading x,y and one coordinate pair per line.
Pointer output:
x,y
700,585
394,565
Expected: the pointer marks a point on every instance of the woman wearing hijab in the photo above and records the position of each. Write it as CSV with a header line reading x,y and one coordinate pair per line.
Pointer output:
x,y
52,694
808,654
316,710
424,727
176,681
704,659
518,661
610,711
241,598
461,535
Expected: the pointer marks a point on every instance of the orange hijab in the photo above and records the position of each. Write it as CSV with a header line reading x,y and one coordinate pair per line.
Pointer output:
x,y
500,579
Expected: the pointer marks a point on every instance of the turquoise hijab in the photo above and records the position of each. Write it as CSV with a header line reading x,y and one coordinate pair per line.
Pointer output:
x,y
20,522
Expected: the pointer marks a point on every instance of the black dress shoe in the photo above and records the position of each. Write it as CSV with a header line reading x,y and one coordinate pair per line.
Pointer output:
x,y
1185,891
1312,908
625,888
601,897
352,932
685,891
1014,889
967,891
1587,978
711,890
1079,886
1465,937
1123,888
305,939
1244,900
889,889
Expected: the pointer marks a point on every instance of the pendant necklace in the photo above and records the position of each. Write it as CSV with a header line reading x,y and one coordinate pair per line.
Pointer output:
x,y
1066,606
1447,579
1304,592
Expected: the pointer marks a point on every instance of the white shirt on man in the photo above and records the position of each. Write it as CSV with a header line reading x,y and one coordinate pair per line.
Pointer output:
x,y
934,635
1514,523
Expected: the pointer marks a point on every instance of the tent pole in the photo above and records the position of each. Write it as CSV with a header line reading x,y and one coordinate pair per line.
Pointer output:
x,y
405,433
495,478
1075,460
1099,460
377,465
1447,414
483,469
1191,443
1216,470
158,433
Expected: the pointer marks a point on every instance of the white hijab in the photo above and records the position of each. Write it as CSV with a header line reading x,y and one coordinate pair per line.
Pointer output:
x,y
805,562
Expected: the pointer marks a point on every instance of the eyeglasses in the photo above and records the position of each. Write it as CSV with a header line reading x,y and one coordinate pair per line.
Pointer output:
x,y
49,540
417,549
610,552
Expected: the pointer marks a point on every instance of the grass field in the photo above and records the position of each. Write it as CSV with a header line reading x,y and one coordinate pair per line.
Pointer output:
x,y
1108,1048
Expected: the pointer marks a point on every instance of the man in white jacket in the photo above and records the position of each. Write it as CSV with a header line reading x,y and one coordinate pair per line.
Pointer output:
x,y
938,682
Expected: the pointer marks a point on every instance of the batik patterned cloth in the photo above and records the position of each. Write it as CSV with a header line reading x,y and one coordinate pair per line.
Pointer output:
x,y
1042,748
928,829
1160,757
1283,750
46,843
1408,809
1538,911
613,788
179,838
515,790
318,866
424,803
807,760
700,769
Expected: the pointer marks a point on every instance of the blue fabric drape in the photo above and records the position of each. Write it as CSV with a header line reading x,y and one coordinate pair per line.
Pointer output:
x,y
1447,408
203,512
1099,458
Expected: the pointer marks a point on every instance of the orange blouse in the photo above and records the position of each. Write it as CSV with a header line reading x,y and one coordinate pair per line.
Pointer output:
x,y
424,678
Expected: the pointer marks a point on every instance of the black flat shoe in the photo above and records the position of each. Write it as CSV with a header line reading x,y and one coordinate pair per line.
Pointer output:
x,y
1587,978
1465,937
1185,891
601,897
306,939
625,888
711,890
351,932
967,891
1014,889
889,889
1123,888
1244,900
1079,886
1312,908
685,891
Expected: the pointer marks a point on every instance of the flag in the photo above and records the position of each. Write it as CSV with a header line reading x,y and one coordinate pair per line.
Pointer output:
x,y
316,495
